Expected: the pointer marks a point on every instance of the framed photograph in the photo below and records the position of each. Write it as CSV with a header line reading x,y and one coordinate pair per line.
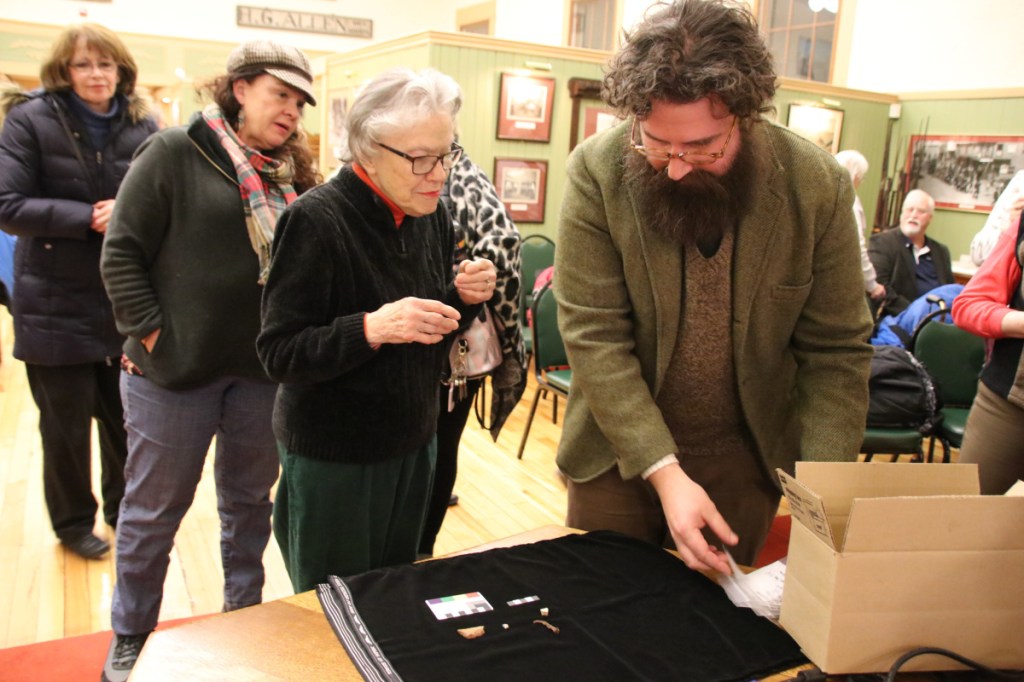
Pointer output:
x,y
521,185
821,125
336,114
524,108
598,118
963,172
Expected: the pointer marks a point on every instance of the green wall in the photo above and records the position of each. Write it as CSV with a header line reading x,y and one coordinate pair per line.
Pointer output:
x,y
990,116
479,73
863,129
478,70
478,67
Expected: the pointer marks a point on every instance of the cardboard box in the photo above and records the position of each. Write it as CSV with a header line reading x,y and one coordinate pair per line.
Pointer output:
x,y
885,558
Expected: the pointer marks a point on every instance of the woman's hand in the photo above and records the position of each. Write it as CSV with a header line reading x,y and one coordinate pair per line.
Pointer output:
x,y
475,281
101,212
411,320
149,340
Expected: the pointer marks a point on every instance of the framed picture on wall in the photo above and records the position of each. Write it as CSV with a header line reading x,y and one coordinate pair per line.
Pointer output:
x,y
598,118
337,112
521,185
821,125
965,172
524,108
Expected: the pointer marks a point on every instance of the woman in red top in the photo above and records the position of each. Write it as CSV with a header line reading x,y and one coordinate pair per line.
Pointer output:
x,y
992,306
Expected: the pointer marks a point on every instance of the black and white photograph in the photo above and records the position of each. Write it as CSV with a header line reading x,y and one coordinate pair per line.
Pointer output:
x,y
963,172
521,187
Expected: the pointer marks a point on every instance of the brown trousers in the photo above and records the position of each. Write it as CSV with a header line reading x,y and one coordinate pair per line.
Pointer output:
x,y
736,484
994,440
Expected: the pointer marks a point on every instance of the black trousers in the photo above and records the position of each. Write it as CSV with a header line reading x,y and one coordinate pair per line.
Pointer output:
x,y
69,397
450,426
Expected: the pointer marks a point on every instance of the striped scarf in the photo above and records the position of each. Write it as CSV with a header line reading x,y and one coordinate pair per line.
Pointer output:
x,y
265,184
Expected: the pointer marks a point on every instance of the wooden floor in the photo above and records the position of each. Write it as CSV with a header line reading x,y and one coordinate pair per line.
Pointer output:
x,y
49,593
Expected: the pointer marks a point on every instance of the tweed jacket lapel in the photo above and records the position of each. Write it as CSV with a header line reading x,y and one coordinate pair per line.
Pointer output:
x,y
753,255
665,272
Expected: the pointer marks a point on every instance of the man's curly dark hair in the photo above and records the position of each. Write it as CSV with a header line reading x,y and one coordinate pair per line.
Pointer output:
x,y
686,50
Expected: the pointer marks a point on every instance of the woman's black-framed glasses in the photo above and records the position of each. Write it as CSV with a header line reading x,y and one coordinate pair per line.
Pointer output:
x,y
422,165
698,157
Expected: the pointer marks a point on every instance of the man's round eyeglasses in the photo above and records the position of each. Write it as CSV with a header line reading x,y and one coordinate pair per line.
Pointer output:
x,y
422,165
695,158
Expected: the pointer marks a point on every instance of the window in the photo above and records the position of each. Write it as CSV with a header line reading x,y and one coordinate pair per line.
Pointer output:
x,y
592,24
477,18
801,35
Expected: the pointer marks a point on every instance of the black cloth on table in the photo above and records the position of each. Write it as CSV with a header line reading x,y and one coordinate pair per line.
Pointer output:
x,y
625,610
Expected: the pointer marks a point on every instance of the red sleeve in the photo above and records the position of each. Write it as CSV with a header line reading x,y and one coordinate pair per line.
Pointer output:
x,y
984,302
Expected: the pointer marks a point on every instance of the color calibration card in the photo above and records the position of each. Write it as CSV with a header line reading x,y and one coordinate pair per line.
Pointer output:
x,y
457,605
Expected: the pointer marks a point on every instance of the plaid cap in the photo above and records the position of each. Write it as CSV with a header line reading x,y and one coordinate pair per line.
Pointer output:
x,y
280,61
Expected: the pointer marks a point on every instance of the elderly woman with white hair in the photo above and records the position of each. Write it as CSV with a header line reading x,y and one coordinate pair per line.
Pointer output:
x,y
360,295
857,166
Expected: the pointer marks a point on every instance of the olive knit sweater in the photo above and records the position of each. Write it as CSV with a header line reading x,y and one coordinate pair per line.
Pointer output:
x,y
337,255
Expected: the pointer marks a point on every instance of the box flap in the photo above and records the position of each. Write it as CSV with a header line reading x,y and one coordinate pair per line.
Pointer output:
x,y
835,481
807,507
941,523
1016,490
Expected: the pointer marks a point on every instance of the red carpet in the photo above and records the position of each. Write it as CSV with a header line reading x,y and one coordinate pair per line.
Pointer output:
x,y
63,660
81,658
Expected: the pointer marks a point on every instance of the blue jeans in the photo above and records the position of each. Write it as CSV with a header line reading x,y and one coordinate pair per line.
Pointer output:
x,y
169,434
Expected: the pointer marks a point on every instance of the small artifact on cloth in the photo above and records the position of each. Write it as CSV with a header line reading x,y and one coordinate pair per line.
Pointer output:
x,y
544,612
473,632
548,625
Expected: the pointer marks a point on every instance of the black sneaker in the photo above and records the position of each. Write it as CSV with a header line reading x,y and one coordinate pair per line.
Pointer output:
x,y
87,546
121,656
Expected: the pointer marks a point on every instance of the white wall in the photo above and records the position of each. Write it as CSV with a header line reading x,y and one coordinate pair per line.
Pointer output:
x,y
532,21
215,19
897,45
934,45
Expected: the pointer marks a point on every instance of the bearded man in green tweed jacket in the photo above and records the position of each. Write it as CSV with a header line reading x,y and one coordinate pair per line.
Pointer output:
x,y
710,296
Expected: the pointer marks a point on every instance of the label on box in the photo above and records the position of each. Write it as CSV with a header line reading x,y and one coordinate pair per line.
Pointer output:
x,y
806,507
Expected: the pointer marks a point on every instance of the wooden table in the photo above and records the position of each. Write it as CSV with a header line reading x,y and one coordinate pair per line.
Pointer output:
x,y
288,639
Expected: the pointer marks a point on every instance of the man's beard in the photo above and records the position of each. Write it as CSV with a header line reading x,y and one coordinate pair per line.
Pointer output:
x,y
701,207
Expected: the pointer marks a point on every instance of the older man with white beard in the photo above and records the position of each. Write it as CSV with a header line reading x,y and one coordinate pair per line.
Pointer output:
x,y
907,262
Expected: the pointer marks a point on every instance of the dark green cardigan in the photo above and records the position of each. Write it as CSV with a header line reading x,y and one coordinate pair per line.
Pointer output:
x,y
337,256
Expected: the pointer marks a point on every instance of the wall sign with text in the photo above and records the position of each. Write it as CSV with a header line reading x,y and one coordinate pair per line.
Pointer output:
x,y
306,22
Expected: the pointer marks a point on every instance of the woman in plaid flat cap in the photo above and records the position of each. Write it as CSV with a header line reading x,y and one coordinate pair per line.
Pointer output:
x,y
184,264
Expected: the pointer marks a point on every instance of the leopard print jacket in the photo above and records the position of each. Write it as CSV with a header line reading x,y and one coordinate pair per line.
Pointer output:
x,y
483,229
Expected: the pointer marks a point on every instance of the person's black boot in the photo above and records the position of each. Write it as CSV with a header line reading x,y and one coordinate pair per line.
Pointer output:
x,y
121,656
87,546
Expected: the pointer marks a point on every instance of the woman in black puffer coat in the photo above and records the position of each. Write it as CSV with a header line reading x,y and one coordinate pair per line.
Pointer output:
x,y
64,150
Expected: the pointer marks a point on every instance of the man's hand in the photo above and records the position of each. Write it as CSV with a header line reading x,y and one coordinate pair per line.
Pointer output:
x,y
688,509
101,212
475,280
411,320
878,293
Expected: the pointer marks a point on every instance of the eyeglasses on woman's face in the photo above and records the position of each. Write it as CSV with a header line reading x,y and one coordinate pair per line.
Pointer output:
x,y
423,165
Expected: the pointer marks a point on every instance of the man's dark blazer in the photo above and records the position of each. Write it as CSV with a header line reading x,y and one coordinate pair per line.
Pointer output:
x,y
893,257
